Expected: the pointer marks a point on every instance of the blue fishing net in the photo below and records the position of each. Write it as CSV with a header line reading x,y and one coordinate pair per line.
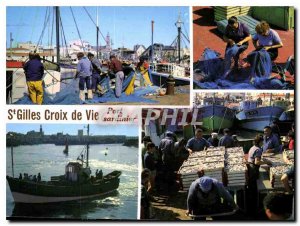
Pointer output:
x,y
70,94
210,64
218,74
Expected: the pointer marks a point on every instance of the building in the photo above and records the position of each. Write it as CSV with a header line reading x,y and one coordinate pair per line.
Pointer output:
x,y
80,133
139,49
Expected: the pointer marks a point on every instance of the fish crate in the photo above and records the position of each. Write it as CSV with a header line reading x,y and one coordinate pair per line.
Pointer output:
x,y
276,173
225,12
236,174
235,167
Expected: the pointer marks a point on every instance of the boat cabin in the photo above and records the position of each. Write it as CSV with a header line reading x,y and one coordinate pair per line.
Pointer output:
x,y
74,172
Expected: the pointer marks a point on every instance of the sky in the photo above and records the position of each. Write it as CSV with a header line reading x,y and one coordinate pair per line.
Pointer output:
x,y
127,26
72,129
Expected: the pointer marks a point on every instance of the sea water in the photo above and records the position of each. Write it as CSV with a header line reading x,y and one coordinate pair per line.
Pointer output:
x,y
49,160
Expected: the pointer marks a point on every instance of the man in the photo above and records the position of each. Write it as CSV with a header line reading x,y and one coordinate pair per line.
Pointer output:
x,y
197,143
146,206
145,140
213,140
270,142
275,128
150,163
116,67
268,39
84,71
237,33
226,140
96,72
205,195
34,71
276,206
166,149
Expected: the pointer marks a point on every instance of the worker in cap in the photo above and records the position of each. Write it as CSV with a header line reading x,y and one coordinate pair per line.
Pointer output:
x,y
205,195
213,140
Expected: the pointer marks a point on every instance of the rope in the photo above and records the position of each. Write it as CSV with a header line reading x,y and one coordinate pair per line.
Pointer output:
x,y
63,32
18,28
94,23
52,29
185,36
77,28
34,25
47,16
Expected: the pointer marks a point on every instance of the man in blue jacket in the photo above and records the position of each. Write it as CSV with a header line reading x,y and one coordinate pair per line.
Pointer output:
x,y
205,195
34,71
84,71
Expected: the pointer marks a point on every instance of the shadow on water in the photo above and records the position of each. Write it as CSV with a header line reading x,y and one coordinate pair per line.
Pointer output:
x,y
77,210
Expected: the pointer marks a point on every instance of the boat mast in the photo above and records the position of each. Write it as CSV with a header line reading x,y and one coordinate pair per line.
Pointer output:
x,y
10,44
178,25
88,145
12,155
57,34
97,28
152,31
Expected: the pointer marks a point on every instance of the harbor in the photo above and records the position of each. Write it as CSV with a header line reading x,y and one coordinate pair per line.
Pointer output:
x,y
154,72
105,175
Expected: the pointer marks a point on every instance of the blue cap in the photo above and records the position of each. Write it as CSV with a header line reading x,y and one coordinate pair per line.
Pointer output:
x,y
205,184
169,133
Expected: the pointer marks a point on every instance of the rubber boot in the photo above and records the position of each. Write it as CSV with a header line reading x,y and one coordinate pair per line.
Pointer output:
x,y
90,94
82,95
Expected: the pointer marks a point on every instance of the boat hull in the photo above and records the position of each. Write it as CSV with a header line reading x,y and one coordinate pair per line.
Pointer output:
x,y
216,117
26,191
257,118
160,79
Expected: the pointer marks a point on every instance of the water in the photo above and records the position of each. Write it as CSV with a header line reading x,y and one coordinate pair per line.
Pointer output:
x,y
49,160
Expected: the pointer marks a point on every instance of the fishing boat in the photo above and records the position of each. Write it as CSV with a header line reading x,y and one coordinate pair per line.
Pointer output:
x,y
76,184
160,72
214,114
175,68
252,116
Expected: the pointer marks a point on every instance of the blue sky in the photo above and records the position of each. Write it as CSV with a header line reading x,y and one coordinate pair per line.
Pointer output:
x,y
127,26
72,129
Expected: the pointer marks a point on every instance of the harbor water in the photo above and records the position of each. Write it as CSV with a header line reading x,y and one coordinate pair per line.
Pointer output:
x,y
49,160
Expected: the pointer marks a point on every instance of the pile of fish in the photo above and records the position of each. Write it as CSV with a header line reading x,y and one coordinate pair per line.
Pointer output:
x,y
211,161
273,159
276,173
235,167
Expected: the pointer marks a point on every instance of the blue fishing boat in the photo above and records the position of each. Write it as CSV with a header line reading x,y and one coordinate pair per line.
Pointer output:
x,y
214,114
252,116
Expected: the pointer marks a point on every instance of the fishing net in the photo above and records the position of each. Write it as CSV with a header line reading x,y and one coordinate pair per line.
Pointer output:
x,y
212,72
69,94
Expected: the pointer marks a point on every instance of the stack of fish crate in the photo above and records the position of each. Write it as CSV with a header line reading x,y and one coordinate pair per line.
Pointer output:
x,y
235,167
210,161
225,12
276,173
